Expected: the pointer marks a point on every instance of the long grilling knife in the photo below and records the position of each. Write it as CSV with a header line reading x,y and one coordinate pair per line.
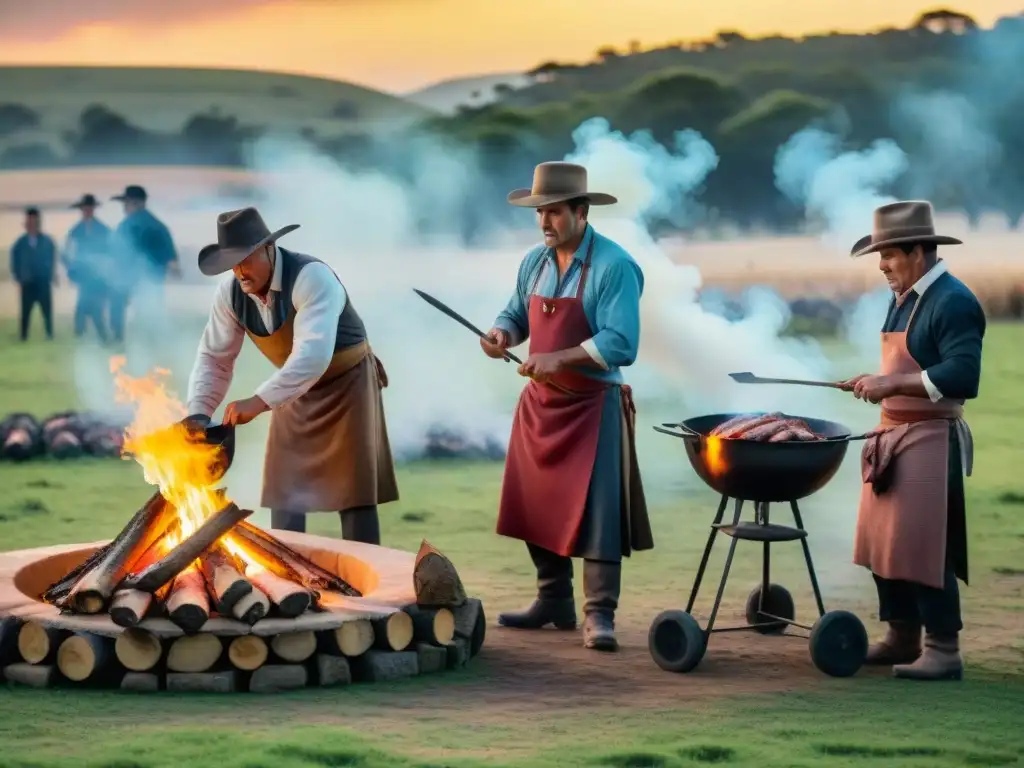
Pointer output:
x,y
746,377
461,320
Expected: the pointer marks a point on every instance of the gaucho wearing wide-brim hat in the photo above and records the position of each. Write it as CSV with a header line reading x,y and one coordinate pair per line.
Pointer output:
x,y
87,201
558,182
910,221
239,233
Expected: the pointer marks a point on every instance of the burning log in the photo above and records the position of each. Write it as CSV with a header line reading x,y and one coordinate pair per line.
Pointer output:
x,y
187,603
129,607
248,652
433,626
20,437
86,657
138,650
194,653
294,646
436,580
91,591
312,576
393,633
161,572
252,607
38,643
353,638
290,598
223,579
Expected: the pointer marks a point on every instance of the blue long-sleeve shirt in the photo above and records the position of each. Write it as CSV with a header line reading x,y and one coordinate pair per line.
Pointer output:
x,y
33,259
86,250
611,300
144,245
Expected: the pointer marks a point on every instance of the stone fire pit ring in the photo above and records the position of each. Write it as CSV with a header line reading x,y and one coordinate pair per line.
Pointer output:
x,y
380,636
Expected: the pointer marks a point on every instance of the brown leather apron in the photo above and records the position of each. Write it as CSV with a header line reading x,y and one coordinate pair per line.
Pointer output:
x,y
328,449
902,522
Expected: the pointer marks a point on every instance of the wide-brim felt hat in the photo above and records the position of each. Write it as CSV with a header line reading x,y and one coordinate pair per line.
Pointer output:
x,y
558,182
910,221
87,201
239,233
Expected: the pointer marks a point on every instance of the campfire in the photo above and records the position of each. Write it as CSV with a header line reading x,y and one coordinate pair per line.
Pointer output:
x,y
188,553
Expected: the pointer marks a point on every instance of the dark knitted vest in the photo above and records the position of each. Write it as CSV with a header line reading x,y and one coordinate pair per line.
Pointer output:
x,y
351,330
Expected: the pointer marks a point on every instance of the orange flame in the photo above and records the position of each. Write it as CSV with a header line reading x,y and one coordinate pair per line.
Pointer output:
x,y
715,455
183,468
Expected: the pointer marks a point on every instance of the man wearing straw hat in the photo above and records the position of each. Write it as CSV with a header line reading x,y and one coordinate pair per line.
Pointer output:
x,y
87,259
572,487
328,446
911,527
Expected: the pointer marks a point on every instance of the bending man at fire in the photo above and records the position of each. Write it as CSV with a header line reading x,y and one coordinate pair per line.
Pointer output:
x,y
911,529
572,487
328,445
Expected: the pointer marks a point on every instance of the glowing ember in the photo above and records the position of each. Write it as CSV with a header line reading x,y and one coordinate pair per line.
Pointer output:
x,y
183,468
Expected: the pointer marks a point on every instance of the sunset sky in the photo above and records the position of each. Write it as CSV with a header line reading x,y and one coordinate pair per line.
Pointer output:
x,y
400,45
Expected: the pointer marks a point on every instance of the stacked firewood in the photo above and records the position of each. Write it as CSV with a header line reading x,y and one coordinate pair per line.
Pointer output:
x,y
64,435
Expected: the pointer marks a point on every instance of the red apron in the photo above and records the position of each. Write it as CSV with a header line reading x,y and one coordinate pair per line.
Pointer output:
x,y
554,434
901,532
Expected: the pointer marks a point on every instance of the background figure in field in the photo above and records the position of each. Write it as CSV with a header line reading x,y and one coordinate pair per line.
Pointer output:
x,y
87,261
34,269
145,255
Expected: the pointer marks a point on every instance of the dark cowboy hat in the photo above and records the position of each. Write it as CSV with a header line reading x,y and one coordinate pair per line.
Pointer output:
x,y
239,233
86,201
556,183
132,192
899,223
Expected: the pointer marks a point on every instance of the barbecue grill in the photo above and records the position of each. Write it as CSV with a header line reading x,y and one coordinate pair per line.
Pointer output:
x,y
762,473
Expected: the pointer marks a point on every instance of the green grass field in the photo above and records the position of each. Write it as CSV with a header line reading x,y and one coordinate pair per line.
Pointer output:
x,y
751,703
162,99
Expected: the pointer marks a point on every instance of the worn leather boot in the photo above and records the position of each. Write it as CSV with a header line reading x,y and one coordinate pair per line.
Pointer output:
x,y
601,583
941,660
901,645
558,611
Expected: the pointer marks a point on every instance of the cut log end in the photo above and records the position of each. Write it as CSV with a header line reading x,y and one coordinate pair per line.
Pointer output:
x,y
353,638
187,604
83,657
138,650
38,643
291,599
248,652
394,632
294,647
129,607
251,608
432,625
194,653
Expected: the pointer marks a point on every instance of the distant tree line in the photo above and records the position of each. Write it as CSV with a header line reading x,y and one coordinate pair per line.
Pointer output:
x,y
946,91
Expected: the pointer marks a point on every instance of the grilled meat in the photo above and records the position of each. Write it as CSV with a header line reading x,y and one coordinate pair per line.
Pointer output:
x,y
770,428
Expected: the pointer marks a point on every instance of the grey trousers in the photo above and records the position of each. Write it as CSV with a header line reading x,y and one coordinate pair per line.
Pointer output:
x,y
357,524
602,580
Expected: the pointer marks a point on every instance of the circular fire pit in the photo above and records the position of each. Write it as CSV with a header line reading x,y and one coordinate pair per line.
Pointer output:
x,y
381,635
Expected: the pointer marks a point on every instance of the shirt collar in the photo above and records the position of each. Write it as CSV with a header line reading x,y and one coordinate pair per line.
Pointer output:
x,y
582,248
929,277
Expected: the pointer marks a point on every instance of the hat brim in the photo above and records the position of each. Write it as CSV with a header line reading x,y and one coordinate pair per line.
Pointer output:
x,y
86,204
214,260
875,247
524,199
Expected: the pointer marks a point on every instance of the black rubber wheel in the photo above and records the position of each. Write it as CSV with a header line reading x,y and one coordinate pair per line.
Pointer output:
x,y
839,644
676,641
778,602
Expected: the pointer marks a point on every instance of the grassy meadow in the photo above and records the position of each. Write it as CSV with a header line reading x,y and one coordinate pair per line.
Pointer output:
x,y
543,700
162,99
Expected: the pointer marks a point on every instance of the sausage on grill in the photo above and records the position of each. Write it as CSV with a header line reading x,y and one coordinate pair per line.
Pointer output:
x,y
741,429
763,432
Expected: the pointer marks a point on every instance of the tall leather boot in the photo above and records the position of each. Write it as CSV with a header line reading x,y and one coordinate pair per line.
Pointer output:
x,y
901,645
602,581
941,660
554,603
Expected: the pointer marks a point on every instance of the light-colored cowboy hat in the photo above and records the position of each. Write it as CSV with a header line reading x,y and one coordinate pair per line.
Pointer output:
x,y
239,233
910,221
557,182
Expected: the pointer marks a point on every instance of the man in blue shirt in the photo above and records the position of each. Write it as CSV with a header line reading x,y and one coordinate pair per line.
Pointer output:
x,y
145,255
572,487
86,258
34,269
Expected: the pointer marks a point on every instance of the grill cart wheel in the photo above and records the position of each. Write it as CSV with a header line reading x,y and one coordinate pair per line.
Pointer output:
x,y
839,644
777,603
676,641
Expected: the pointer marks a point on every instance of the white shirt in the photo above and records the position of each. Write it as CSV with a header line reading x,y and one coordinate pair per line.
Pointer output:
x,y
319,299
922,285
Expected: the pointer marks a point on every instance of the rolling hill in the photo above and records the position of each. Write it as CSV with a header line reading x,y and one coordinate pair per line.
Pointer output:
x,y
163,99
447,96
